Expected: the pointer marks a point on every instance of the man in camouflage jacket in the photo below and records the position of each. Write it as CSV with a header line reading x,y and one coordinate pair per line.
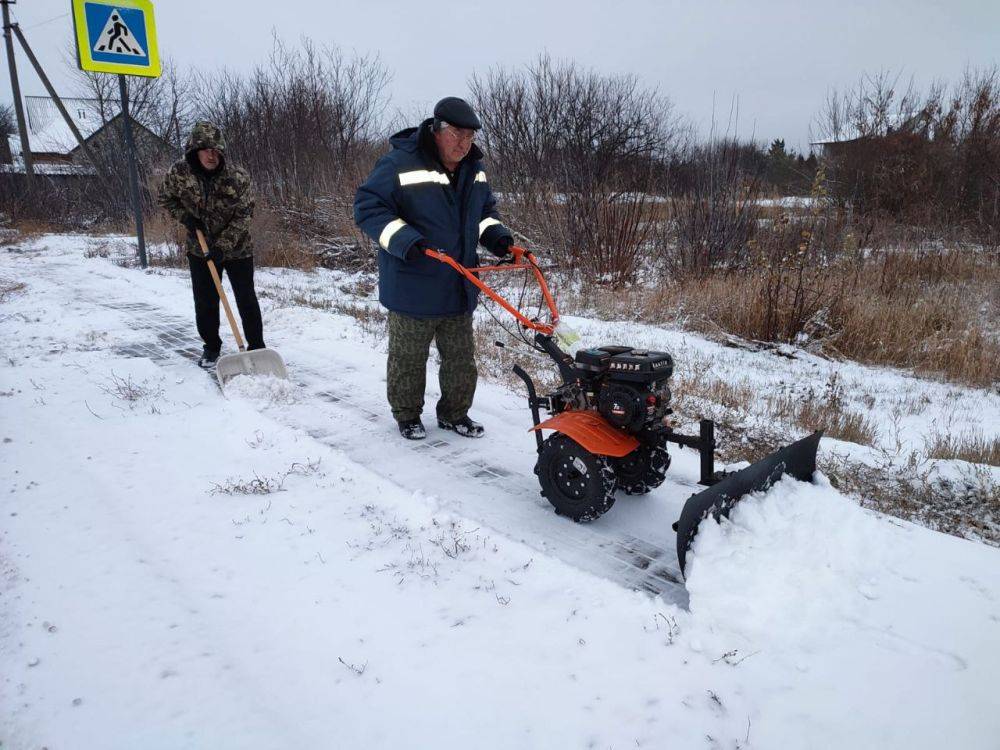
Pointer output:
x,y
203,191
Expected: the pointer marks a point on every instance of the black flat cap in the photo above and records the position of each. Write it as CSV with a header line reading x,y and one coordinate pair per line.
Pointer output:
x,y
457,112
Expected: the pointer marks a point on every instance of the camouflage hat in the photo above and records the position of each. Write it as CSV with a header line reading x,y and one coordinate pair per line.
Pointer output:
x,y
205,135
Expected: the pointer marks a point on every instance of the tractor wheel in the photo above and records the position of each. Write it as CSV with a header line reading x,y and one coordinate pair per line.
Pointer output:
x,y
643,469
578,483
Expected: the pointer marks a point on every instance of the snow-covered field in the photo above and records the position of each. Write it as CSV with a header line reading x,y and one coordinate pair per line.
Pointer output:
x,y
276,568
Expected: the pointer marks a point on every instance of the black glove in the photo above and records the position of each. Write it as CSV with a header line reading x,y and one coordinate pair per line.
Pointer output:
x,y
502,246
191,223
416,250
216,255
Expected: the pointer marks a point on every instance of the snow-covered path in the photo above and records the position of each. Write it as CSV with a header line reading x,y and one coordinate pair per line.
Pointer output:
x,y
417,596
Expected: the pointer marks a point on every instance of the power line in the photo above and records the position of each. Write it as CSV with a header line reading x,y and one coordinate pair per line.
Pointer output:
x,y
42,23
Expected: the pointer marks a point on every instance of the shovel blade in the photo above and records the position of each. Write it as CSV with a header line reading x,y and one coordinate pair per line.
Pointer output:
x,y
797,460
256,362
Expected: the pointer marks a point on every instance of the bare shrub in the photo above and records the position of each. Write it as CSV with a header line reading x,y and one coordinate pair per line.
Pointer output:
x,y
577,157
58,202
162,105
924,159
165,241
305,124
715,216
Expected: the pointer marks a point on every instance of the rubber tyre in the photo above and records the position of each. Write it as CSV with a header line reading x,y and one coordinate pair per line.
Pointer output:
x,y
642,470
579,484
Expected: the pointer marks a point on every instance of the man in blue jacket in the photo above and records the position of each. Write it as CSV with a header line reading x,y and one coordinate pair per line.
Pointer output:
x,y
430,191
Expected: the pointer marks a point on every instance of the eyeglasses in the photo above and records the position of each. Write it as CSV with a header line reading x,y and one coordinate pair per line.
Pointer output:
x,y
459,134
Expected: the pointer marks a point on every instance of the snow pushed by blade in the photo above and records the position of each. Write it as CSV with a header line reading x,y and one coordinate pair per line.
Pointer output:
x,y
855,606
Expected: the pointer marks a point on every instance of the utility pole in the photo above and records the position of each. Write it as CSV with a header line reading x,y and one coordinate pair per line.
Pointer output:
x,y
22,127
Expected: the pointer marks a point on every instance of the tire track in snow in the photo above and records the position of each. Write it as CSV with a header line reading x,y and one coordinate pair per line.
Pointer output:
x,y
486,492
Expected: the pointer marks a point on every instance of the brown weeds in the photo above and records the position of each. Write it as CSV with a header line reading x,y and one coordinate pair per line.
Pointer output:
x,y
934,311
972,447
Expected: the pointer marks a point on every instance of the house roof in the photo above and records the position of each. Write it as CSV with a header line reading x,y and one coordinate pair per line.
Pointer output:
x,y
48,132
896,122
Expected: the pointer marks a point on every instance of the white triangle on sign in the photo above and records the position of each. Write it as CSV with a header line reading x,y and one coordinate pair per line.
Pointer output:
x,y
117,38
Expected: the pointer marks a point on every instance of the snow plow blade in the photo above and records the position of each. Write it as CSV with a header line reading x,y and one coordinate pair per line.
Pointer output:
x,y
255,362
797,460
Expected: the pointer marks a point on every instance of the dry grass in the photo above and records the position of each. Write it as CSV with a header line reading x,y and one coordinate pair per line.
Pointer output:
x,y
496,362
277,245
10,289
824,411
161,229
965,505
974,448
934,311
266,485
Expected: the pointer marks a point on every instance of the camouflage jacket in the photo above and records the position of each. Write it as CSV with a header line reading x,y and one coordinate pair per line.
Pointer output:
x,y
222,199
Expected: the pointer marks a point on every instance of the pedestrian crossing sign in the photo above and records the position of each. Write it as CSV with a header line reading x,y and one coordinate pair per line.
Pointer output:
x,y
116,36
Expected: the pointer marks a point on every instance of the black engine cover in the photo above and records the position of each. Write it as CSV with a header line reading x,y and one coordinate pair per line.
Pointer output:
x,y
638,365
623,405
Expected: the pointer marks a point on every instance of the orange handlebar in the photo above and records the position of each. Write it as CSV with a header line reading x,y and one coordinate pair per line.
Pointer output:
x,y
522,260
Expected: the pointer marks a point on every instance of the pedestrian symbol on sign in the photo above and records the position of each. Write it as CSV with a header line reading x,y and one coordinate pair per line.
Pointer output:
x,y
117,39
116,36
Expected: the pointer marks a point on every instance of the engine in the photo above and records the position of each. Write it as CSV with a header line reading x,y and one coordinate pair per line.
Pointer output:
x,y
627,386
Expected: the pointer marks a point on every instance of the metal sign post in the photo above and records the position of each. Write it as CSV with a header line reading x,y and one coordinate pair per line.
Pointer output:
x,y
133,172
119,36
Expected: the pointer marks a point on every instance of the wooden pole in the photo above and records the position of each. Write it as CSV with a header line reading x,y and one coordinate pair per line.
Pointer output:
x,y
22,128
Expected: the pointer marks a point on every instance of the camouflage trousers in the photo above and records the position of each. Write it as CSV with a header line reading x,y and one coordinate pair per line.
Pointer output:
x,y
406,377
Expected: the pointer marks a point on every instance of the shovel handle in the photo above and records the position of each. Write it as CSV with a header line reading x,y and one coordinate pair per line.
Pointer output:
x,y
222,292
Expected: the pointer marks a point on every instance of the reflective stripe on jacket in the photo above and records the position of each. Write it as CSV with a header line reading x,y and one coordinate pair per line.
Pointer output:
x,y
409,197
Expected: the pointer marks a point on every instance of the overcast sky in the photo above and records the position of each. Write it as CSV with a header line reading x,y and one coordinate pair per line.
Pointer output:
x,y
778,58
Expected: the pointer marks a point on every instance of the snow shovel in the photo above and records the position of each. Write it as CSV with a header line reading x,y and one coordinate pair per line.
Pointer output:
x,y
256,362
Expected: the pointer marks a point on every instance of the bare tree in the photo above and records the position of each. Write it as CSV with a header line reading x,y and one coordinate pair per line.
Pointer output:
x,y
164,105
302,121
577,156
874,107
929,159
715,217
8,125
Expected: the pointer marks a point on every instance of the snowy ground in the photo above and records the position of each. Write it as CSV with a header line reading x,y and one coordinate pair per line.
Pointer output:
x,y
278,569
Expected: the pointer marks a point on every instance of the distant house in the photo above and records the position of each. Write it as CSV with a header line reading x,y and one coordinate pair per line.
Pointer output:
x,y
850,139
55,150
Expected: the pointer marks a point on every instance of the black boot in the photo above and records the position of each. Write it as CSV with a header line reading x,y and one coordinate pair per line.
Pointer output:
x,y
208,358
464,427
412,429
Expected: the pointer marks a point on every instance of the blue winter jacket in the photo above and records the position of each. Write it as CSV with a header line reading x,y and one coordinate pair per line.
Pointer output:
x,y
408,197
